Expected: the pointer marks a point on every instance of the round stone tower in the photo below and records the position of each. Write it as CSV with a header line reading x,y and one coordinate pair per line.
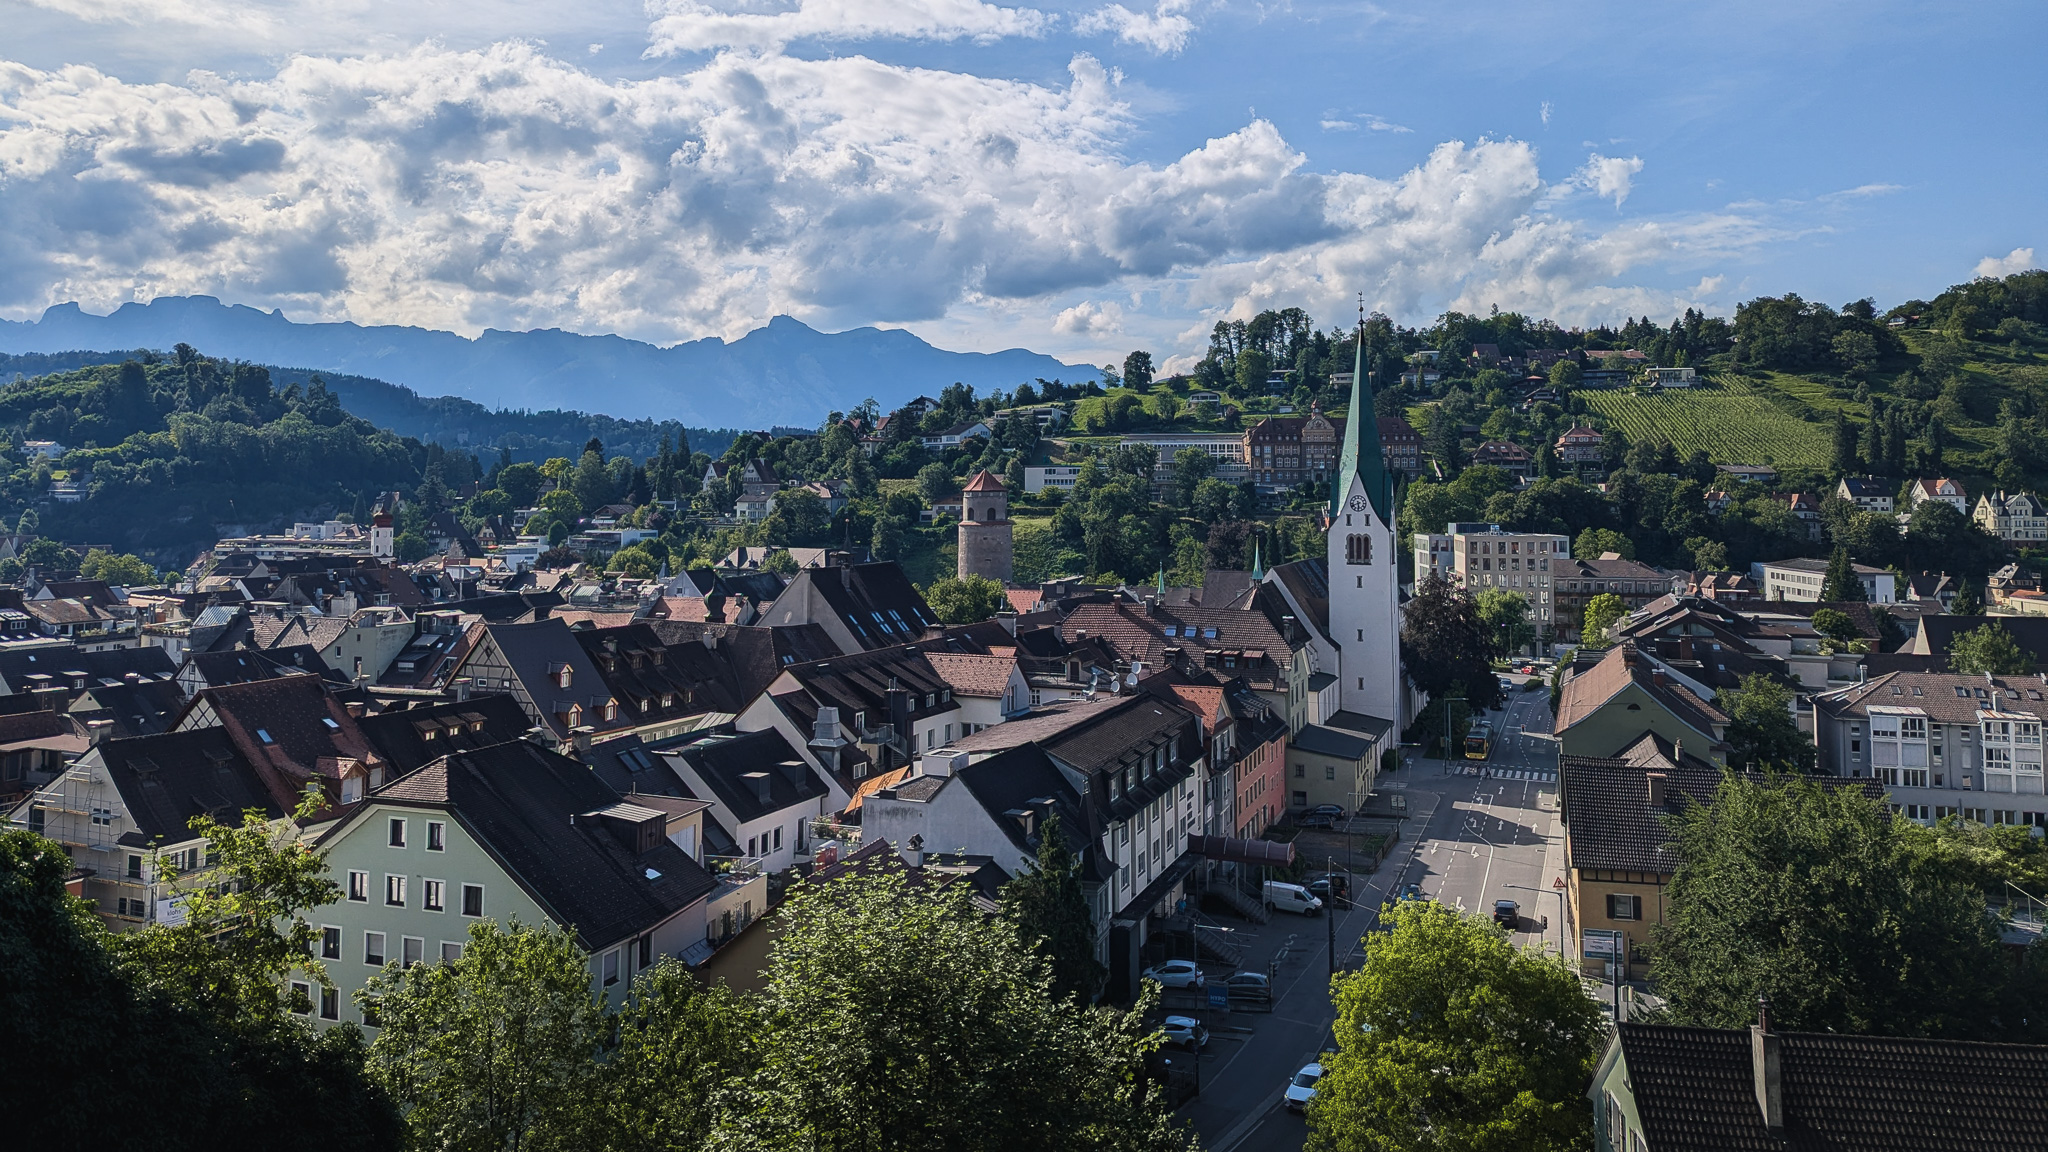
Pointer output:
x,y
985,529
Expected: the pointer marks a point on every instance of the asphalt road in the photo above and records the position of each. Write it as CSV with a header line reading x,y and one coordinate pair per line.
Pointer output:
x,y
1469,840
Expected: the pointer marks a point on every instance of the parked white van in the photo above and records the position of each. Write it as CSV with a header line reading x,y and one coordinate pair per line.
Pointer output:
x,y
1291,898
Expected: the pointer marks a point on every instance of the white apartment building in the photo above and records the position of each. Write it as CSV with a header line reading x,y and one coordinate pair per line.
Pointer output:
x,y
1478,556
1802,580
1037,478
1941,744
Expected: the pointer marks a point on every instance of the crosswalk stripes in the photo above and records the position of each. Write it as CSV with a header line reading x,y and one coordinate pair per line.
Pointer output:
x,y
1536,774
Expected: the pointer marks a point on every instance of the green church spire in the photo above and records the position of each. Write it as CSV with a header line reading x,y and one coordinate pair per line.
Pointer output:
x,y
1362,455
1258,568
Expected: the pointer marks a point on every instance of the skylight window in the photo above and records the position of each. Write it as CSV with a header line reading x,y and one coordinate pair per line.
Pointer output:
x,y
263,734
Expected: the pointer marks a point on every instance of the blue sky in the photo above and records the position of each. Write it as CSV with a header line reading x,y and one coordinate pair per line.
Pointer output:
x,y
1079,179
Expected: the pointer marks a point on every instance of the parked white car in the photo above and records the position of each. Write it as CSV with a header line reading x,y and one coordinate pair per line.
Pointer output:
x,y
1291,898
1302,1088
1176,974
1185,1032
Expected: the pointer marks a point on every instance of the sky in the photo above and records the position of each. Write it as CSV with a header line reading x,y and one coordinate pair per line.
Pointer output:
x,y
1082,179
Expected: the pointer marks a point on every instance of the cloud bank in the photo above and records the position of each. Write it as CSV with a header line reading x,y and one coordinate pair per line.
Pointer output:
x,y
506,187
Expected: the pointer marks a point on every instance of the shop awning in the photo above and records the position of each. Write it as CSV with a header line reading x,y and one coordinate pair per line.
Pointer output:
x,y
1239,850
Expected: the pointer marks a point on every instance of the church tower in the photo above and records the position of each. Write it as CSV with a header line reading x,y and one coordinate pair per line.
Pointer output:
x,y
1364,570
985,529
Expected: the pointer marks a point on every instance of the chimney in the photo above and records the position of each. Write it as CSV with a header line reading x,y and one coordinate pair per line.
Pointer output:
x,y
760,783
98,730
1764,1060
579,737
1657,781
943,762
1658,678
714,608
355,708
462,685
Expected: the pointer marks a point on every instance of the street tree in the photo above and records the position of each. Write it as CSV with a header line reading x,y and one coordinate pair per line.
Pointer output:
x,y
677,1044
1449,1037
1809,892
1446,644
1841,582
1506,612
897,1016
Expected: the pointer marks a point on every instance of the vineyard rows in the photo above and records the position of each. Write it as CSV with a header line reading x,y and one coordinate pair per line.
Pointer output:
x,y
1728,419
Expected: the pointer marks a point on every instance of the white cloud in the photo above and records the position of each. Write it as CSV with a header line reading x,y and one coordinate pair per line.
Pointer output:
x,y
1164,30
1608,177
1089,318
201,13
1544,112
1339,126
2016,261
506,188
1368,121
700,25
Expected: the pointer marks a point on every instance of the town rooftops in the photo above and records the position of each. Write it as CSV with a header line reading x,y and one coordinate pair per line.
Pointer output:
x,y
411,738
987,677
1625,665
1697,1089
1608,806
588,857
752,774
1945,697
984,481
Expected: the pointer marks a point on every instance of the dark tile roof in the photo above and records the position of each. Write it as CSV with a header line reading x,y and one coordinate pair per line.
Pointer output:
x,y
1308,582
1695,1089
1589,689
1026,780
411,738
1330,742
292,728
166,780
655,681
632,765
1238,641
19,668
726,764
1946,697
141,709
1606,804
752,656
244,665
40,724
876,602
533,650
1938,632
505,607
538,814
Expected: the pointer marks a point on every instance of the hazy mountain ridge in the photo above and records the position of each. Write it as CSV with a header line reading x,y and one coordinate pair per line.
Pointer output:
x,y
784,373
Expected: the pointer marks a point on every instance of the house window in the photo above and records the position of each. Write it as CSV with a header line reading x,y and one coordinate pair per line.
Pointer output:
x,y
394,891
330,1003
397,833
330,942
611,967
412,950
134,867
1624,907
778,838
1301,771
437,836
1329,771
472,899
102,817
373,948
1357,549
302,997
359,886
450,951
433,895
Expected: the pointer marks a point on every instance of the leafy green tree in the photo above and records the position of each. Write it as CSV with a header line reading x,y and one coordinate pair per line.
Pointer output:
x,y
780,562
1835,625
1841,582
799,519
563,504
116,569
678,1043
1565,374
1506,612
49,555
1601,613
411,546
1592,543
1989,648
489,503
1708,554
1807,891
494,1050
935,483
1987,857
592,481
1761,730
965,600
1192,467
521,482
1137,374
28,523
211,1056
943,1034
1846,462
1451,1038
1967,602
1446,644
1050,908
557,532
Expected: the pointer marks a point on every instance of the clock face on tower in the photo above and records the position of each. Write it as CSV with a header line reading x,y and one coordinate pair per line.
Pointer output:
x,y
1358,502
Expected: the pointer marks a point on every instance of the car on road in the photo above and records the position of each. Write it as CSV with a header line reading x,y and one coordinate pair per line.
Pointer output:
x,y
1185,1032
1176,974
1328,884
1254,986
1302,1088
1526,670
1408,892
1506,913
1315,820
1333,811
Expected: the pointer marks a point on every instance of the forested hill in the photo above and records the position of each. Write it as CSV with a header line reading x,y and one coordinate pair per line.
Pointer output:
x,y
785,372
447,420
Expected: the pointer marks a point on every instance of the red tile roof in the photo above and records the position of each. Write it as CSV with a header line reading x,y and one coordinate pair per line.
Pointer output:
x,y
984,481
983,676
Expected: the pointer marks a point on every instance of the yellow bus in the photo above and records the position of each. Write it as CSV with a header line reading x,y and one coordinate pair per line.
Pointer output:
x,y
1479,741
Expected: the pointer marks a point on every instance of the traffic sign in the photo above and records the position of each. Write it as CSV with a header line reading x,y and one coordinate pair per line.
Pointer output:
x,y
1603,942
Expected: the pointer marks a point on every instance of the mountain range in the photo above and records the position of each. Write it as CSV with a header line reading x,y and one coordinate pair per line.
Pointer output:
x,y
784,373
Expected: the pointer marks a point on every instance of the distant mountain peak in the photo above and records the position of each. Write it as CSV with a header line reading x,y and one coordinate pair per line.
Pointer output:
x,y
706,383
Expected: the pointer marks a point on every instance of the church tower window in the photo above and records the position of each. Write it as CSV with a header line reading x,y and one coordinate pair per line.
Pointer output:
x,y
1357,549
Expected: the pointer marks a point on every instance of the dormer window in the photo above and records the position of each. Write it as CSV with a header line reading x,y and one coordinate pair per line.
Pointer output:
x,y
562,675
668,700
611,709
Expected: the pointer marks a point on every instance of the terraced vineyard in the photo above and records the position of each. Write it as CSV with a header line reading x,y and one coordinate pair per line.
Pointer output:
x,y
1726,417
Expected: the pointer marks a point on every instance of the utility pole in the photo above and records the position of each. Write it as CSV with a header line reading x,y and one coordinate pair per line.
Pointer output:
x,y
1330,914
